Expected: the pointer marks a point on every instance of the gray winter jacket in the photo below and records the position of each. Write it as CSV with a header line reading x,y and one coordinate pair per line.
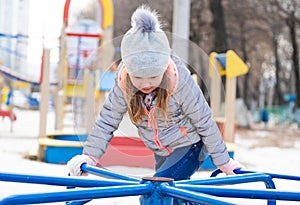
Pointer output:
x,y
189,120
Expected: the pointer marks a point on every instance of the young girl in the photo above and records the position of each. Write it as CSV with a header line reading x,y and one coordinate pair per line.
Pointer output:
x,y
164,103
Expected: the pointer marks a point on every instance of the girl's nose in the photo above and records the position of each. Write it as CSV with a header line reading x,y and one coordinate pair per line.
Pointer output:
x,y
145,84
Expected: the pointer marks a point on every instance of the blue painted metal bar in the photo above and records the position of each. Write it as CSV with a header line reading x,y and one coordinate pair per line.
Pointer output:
x,y
106,173
273,175
77,202
191,196
13,36
14,52
62,181
235,179
243,193
83,194
218,171
10,50
153,189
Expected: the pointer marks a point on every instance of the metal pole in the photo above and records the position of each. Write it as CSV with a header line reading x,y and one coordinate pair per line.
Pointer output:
x,y
63,181
156,197
268,194
106,173
181,28
191,196
236,179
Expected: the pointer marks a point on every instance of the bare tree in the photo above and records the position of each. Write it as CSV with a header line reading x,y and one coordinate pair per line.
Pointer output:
x,y
289,10
275,25
218,24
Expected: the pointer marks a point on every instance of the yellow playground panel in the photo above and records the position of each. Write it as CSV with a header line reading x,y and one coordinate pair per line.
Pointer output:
x,y
230,65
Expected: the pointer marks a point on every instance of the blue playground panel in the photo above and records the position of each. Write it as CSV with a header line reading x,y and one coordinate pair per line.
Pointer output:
x,y
155,190
62,154
222,59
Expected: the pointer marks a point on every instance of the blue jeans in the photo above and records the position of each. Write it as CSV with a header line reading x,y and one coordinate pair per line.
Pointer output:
x,y
185,167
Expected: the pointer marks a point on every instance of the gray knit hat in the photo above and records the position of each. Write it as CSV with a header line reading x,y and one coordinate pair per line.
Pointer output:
x,y
145,48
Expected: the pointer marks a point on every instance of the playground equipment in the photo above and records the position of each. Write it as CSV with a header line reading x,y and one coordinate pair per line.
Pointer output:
x,y
278,114
155,190
5,96
76,84
59,148
122,151
230,65
14,51
78,44
9,114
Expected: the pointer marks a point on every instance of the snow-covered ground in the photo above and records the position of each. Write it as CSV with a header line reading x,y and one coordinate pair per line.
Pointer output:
x,y
275,150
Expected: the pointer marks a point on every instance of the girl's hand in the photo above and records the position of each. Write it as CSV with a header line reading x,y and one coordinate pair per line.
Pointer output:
x,y
74,165
231,165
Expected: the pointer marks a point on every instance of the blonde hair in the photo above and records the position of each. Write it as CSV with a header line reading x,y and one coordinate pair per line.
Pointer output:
x,y
135,98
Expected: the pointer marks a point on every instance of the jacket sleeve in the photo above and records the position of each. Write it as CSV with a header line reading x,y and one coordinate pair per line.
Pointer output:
x,y
108,121
197,110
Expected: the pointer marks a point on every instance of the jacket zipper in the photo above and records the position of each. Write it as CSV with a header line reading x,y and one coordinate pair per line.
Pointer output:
x,y
152,122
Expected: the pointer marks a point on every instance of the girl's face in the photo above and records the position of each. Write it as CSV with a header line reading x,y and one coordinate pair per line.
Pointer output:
x,y
146,85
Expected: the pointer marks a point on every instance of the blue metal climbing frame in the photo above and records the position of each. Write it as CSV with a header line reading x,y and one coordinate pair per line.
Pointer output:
x,y
155,190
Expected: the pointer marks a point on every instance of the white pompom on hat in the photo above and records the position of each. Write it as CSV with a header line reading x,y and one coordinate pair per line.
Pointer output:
x,y
145,48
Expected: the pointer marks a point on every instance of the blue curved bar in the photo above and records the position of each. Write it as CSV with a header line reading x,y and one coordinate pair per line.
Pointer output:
x,y
73,194
234,179
268,194
106,173
189,196
62,181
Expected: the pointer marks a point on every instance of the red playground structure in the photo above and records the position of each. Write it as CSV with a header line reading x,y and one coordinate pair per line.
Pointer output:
x,y
9,114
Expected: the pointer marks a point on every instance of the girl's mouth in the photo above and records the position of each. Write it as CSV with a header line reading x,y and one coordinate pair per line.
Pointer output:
x,y
147,90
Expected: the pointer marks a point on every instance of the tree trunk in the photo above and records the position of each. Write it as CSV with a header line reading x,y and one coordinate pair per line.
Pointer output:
x,y
292,28
278,96
246,91
218,24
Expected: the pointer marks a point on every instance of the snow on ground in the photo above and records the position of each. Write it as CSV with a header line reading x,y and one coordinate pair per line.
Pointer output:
x,y
274,150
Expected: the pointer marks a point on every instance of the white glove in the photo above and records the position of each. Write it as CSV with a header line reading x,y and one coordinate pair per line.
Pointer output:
x,y
231,165
75,163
